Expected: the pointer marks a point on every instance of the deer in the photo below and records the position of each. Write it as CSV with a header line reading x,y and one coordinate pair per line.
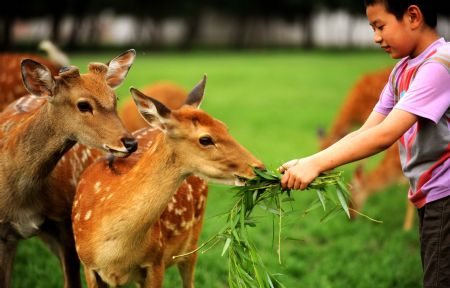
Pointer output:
x,y
130,218
36,131
169,93
354,111
64,178
11,86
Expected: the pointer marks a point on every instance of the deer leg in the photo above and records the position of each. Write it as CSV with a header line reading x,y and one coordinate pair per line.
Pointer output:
x,y
59,238
186,269
9,240
93,280
409,216
154,277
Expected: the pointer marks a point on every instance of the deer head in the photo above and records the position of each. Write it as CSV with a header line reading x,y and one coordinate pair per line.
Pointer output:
x,y
210,151
85,103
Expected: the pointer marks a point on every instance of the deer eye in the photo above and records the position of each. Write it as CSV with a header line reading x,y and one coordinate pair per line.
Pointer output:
x,y
84,107
206,141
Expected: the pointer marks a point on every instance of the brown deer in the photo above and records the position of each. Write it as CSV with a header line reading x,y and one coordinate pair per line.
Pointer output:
x,y
354,112
64,180
168,93
35,132
11,85
128,217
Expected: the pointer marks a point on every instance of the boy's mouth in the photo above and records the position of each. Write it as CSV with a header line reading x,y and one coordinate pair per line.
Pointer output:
x,y
386,48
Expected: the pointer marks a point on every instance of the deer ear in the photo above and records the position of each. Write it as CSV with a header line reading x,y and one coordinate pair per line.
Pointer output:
x,y
118,68
153,111
195,97
37,78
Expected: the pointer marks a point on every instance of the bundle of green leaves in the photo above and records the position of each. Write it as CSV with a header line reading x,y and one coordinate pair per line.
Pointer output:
x,y
245,267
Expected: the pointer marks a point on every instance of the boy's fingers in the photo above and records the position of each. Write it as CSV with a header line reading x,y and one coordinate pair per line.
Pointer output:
x,y
283,181
287,165
291,182
283,168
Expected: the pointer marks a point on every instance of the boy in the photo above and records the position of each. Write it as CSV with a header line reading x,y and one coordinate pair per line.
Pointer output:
x,y
414,109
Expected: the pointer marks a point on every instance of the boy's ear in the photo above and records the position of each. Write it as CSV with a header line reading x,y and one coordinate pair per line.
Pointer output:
x,y
154,112
414,16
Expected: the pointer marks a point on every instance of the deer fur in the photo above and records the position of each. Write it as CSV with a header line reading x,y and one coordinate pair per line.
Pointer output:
x,y
168,93
130,218
35,132
11,85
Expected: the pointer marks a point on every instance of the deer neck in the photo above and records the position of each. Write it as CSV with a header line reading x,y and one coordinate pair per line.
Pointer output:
x,y
160,174
35,150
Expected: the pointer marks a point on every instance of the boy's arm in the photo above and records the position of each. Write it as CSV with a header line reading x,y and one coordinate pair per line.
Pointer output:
x,y
374,119
374,136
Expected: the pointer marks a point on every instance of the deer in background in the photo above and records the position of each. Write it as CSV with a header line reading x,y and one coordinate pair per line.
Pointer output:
x,y
11,85
35,132
354,112
129,218
168,93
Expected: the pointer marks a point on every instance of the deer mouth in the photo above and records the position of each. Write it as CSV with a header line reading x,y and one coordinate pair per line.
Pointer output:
x,y
240,180
116,152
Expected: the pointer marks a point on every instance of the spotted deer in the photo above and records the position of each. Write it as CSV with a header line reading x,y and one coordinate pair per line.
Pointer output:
x,y
11,85
170,94
35,133
128,217
354,112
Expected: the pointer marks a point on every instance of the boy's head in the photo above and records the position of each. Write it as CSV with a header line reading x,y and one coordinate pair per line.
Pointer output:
x,y
399,7
402,27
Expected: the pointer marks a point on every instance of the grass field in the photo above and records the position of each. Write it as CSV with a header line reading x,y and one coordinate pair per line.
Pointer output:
x,y
273,102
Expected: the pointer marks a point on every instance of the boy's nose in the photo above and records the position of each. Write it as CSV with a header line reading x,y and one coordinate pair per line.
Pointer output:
x,y
377,38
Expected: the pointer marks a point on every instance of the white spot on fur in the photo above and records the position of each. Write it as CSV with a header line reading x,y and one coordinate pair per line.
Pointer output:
x,y
180,211
97,187
170,207
88,215
169,225
77,216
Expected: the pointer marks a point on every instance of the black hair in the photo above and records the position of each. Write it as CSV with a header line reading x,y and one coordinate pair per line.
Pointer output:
x,y
399,7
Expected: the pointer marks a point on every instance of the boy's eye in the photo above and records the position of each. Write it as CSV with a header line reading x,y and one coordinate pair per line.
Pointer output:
x,y
380,27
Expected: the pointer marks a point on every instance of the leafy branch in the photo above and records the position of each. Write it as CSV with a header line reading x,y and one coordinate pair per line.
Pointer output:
x,y
246,268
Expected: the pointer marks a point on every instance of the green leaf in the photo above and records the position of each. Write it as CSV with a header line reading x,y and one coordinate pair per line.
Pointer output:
x,y
320,193
226,246
342,200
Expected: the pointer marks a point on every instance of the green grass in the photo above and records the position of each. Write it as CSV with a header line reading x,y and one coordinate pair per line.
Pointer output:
x,y
273,102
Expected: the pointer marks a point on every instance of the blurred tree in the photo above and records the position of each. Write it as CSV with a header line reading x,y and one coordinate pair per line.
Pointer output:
x,y
251,18
303,11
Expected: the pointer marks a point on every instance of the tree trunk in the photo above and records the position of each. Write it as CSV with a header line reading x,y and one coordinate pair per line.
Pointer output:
x,y
7,26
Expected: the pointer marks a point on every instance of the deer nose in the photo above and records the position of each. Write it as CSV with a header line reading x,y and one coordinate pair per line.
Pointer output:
x,y
130,144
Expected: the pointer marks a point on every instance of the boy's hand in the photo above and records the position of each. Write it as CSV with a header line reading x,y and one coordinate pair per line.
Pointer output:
x,y
298,173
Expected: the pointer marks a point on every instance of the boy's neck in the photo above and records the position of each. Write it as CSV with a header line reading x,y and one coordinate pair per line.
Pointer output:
x,y
427,38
